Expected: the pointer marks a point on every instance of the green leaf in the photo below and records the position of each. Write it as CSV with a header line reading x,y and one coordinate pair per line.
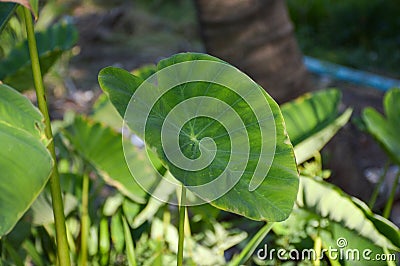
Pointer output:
x,y
329,202
153,205
308,147
18,112
145,71
51,45
386,130
102,147
42,211
312,120
260,199
310,113
25,162
344,224
32,5
383,225
103,111
6,10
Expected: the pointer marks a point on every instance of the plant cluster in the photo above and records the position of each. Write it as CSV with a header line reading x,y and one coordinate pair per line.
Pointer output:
x,y
67,193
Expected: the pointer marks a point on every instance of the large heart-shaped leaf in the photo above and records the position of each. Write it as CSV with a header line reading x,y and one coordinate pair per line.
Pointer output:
x,y
386,130
102,147
261,199
312,120
25,162
51,44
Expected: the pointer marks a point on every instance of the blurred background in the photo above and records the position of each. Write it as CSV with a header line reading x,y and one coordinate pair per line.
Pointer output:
x,y
266,39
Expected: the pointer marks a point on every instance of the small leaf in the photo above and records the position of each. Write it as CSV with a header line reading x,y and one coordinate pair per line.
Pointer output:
x,y
307,148
386,130
310,113
51,45
312,120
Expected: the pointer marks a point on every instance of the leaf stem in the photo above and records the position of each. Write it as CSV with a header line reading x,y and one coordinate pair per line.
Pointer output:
x,y
182,215
58,209
389,203
85,219
252,245
378,186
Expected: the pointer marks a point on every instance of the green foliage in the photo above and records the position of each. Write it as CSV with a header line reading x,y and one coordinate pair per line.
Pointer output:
x,y
120,86
91,140
6,10
52,43
386,130
331,203
24,161
324,211
126,226
312,120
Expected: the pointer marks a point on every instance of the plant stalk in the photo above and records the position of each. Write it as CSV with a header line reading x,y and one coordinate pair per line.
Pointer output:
x,y
378,186
182,215
251,246
317,248
58,209
389,203
85,219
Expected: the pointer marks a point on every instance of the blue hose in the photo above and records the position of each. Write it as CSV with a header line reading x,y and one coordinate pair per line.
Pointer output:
x,y
350,75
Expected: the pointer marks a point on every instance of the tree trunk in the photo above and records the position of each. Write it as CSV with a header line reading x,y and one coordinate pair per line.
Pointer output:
x,y
257,37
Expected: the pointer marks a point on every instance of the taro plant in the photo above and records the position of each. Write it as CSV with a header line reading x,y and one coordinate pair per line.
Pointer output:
x,y
311,121
28,133
197,134
386,131
218,133
324,216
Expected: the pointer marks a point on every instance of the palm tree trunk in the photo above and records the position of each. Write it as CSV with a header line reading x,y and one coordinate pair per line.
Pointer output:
x,y
257,37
